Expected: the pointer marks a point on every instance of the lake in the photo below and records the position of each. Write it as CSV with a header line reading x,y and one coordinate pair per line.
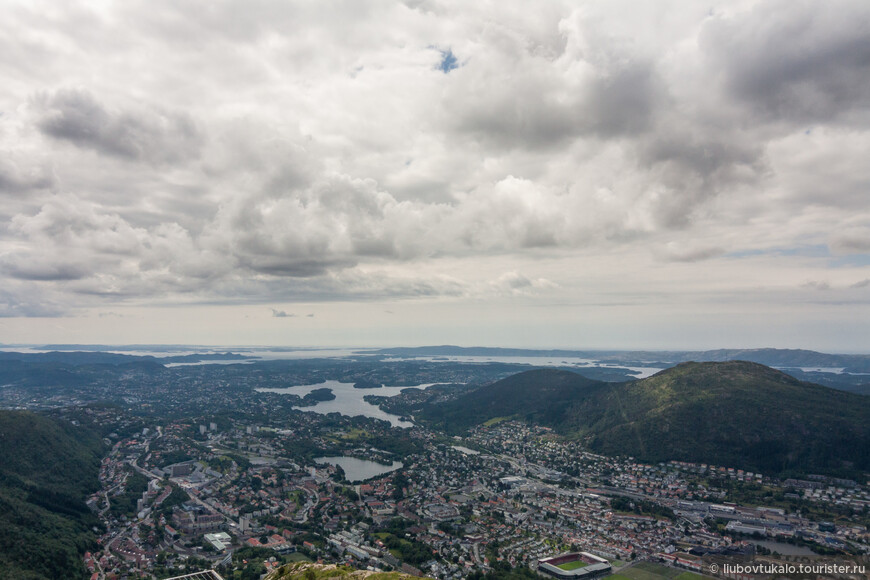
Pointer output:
x,y
357,470
348,400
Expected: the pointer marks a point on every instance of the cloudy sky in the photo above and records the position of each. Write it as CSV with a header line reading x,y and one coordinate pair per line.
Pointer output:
x,y
602,173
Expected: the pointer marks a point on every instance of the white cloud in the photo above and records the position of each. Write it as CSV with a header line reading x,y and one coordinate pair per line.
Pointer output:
x,y
277,152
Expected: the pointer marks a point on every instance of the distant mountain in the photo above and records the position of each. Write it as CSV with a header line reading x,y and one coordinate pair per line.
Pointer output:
x,y
89,357
204,357
450,350
775,357
847,372
74,358
779,357
47,469
739,414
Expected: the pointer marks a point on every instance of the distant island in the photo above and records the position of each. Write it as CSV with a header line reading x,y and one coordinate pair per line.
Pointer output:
x,y
91,357
202,357
319,395
364,384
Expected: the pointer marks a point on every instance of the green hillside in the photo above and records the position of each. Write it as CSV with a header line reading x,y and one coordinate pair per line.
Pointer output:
x,y
47,468
309,571
738,414
545,396
732,413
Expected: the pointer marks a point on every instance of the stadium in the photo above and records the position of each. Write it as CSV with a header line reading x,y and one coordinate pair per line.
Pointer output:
x,y
574,566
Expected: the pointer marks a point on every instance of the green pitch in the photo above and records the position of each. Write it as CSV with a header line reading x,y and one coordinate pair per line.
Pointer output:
x,y
568,566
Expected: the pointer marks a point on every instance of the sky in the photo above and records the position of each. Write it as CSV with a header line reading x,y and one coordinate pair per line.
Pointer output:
x,y
583,174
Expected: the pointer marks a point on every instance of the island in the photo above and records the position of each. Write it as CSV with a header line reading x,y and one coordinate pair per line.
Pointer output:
x,y
317,396
366,384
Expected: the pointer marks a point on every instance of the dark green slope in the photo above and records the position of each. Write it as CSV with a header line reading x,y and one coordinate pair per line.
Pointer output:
x,y
737,414
544,396
734,413
47,468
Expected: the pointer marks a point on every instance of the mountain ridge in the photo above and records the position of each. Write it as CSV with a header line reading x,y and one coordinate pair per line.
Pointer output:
x,y
47,467
736,413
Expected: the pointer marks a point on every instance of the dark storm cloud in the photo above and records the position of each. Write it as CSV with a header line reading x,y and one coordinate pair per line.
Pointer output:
x,y
538,105
29,269
151,135
795,61
290,266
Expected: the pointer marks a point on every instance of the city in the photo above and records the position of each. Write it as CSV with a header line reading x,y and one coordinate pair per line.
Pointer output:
x,y
185,495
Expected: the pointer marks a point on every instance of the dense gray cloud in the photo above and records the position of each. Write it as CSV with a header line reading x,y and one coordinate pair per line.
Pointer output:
x,y
272,152
151,135
795,61
16,181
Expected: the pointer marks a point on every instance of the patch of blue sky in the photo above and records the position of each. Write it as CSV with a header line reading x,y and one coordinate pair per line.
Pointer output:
x,y
809,251
746,253
850,261
448,61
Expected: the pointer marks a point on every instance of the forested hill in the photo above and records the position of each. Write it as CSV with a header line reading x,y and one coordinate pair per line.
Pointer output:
x,y
47,469
738,414
544,396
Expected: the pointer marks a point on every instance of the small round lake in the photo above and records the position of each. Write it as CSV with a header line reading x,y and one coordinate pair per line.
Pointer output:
x,y
357,470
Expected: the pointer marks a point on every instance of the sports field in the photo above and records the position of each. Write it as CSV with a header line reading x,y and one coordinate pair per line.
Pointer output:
x,y
568,566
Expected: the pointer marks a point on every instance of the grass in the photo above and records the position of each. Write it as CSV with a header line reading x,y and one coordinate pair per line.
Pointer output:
x,y
568,566
649,571
355,434
689,576
617,563
295,572
494,421
635,573
385,576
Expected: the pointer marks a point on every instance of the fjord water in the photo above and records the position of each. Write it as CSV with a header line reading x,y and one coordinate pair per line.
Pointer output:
x,y
349,400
